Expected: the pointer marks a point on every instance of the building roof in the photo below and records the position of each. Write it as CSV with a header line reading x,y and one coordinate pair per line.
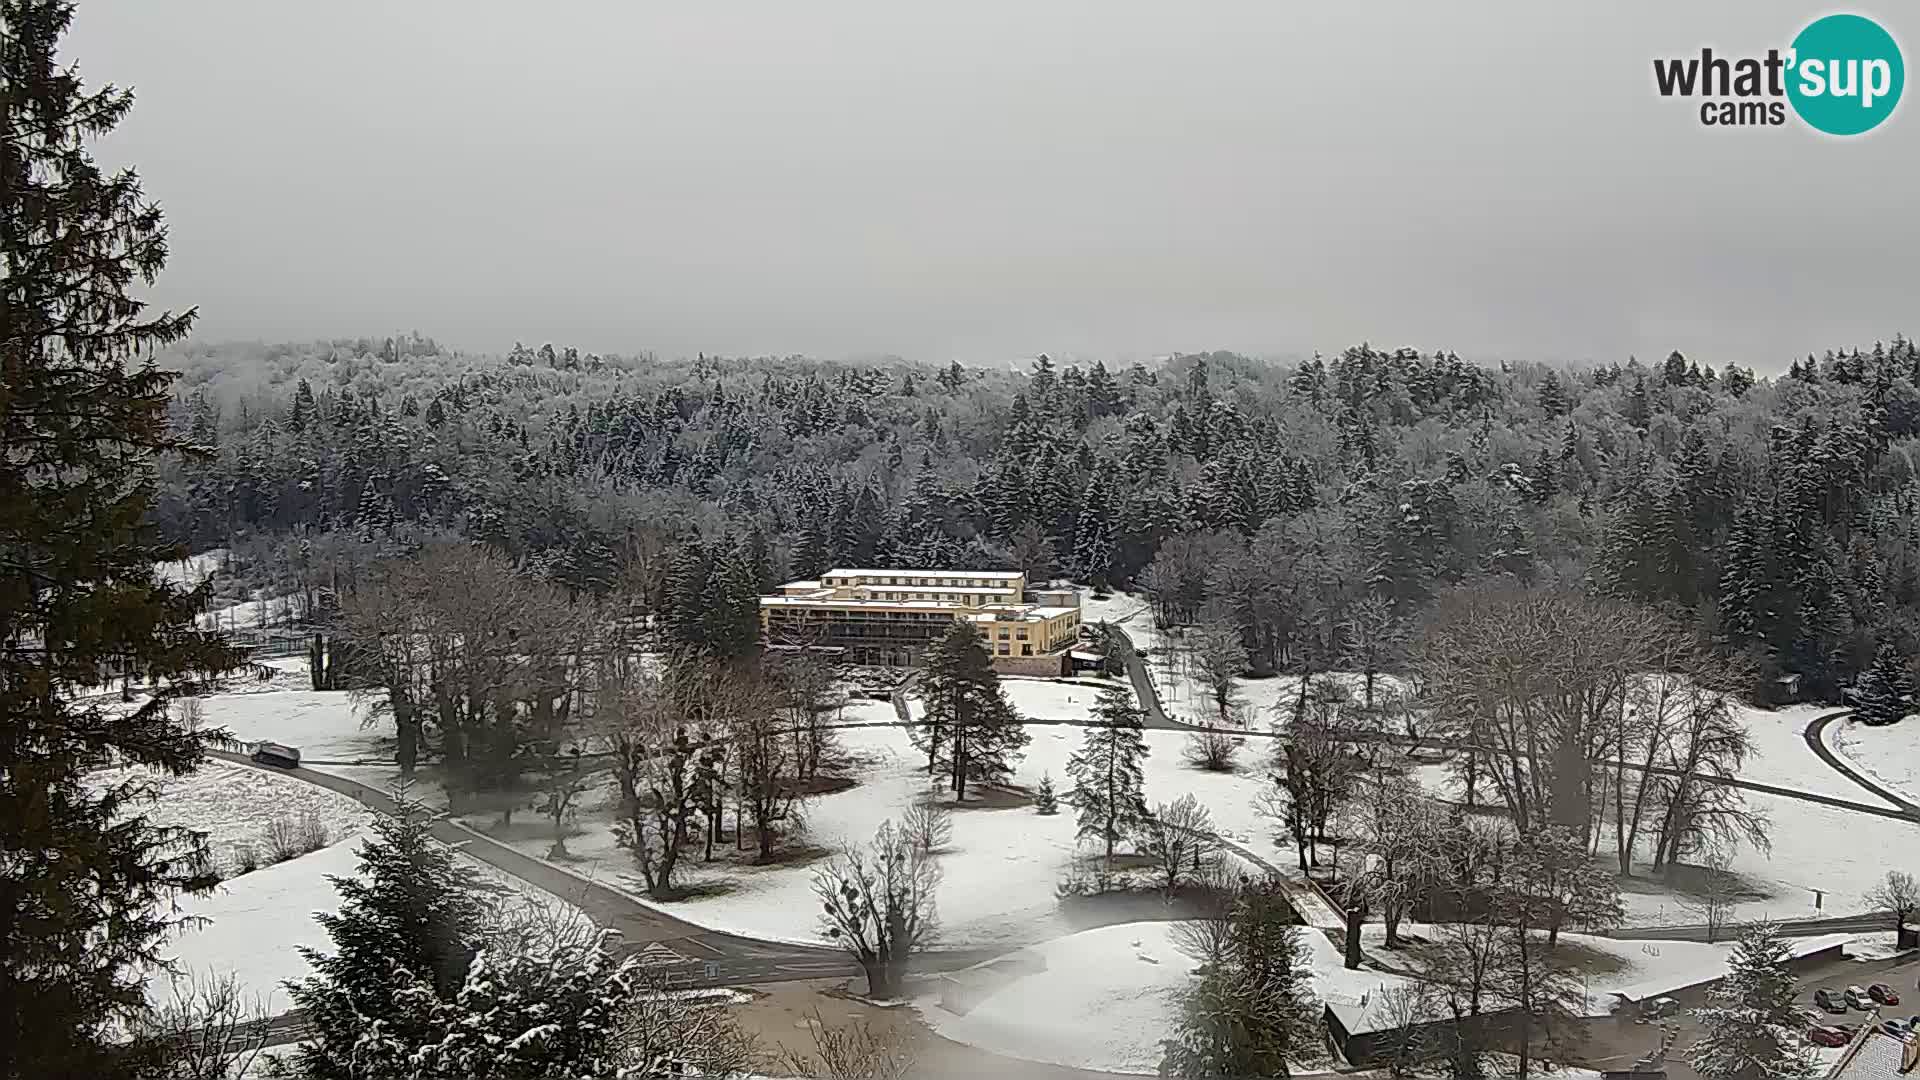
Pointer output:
x,y
977,588
993,575
1876,1055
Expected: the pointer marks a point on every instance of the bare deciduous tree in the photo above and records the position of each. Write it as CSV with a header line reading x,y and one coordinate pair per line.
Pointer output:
x,y
878,903
1395,830
1206,936
191,712
1220,659
206,1030
1180,840
1213,751
1899,893
855,1050
928,826
655,761
1718,892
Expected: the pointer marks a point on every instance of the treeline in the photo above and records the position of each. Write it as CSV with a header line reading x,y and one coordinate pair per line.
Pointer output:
x,y
1777,515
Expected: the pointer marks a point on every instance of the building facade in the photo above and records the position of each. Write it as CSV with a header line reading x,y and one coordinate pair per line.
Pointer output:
x,y
890,617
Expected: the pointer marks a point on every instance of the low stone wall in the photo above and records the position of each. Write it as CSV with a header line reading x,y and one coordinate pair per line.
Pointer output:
x,y
1048,666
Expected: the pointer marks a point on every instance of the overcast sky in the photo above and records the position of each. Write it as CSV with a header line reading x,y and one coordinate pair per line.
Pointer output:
x,y
981,180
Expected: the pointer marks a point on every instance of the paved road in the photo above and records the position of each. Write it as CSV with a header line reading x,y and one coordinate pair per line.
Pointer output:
x,y
693,956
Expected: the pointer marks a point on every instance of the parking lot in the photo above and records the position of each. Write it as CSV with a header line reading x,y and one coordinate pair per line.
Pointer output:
x,y
1617,1044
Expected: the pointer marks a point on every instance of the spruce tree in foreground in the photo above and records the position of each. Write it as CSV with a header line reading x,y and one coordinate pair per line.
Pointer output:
x,y
84,880
408,928
1108,780
1750,1025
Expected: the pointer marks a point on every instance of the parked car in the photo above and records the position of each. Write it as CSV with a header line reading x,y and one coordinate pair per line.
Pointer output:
x,y
1829,1000
272,753
1812,1017
1883,994
1659,1008
1896,1027
1827,1035
1857,998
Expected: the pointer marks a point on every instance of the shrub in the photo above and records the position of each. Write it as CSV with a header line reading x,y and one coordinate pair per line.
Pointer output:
x,y
289,837
928,826
312,833
246,858
1213,751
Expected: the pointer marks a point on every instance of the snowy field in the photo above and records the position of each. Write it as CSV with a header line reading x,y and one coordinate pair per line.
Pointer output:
x,y
1108,996
1889,754
192,570
1001,866
256,923
233,804
326,725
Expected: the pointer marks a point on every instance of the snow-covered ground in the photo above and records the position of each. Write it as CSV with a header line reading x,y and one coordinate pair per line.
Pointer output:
x,y
192,570
324,725
1889,754
233,804
1107,997
1002,864
256,923
1105,1000
1782,757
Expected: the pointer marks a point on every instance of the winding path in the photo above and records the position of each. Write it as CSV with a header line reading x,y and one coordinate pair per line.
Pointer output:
x,y
695,956
1899,809
1816,741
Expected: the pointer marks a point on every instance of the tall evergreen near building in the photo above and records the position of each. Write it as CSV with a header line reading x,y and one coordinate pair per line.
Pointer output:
x,y
411,918
1750,1027
966,723
1108,781
84,880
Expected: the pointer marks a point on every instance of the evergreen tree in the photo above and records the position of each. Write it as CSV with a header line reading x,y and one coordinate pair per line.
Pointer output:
x,y
1108,779
1881,697
1750,1027
88,879
966,721
409,925
810,555
1638,411
1552,395
1044,800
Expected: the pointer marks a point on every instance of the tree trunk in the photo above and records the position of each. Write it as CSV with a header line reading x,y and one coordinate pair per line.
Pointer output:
x,y
1355,917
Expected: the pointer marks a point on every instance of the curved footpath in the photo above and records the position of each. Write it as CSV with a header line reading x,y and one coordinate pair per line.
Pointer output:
x,y
1899,809
695,956
692,955
1817,742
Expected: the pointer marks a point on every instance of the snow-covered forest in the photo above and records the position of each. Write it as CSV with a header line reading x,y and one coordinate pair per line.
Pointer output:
x,y
1779,513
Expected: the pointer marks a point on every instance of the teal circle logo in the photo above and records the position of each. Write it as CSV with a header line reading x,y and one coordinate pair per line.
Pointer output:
x,y
1846,76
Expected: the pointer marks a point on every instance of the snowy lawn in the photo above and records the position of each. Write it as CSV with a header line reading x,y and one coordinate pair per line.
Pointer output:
x,y
1108,996
1782,757
1106,999
257,922
234,804
326,725
1889,754
1001,866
